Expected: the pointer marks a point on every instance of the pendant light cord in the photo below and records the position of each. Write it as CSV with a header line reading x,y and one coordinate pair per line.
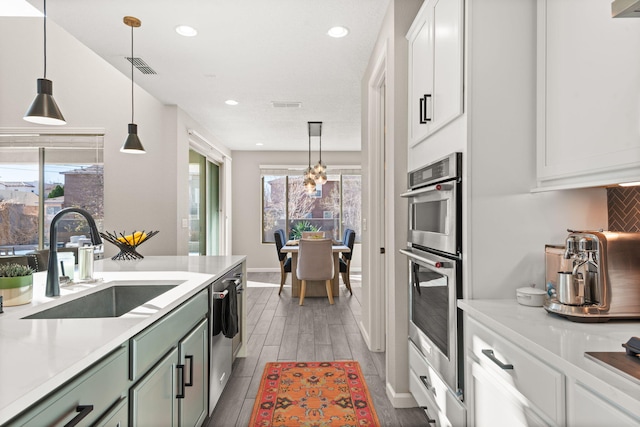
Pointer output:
x,y
309,151
132,74
45,39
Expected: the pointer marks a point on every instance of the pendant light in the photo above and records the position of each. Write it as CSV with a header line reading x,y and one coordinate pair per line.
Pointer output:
x,y
132,144
320,169
309,176
43,109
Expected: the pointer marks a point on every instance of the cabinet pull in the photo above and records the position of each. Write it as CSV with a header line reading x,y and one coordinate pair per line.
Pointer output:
x,y
181,382
426,383
190,359
83,412
494,359
426,411
424,116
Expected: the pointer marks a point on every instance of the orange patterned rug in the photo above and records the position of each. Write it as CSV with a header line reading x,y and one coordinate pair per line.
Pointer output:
x,y
313,394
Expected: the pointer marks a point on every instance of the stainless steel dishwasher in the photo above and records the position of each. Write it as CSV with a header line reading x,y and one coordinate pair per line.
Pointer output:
x,y
222,348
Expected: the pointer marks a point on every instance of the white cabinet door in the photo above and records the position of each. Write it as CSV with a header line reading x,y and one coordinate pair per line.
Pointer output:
x,y
435,67
193,356
587,409
420,74
588,95
494,404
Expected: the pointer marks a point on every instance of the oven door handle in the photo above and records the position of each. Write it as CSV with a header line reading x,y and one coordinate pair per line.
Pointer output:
x,y
429,189
434,264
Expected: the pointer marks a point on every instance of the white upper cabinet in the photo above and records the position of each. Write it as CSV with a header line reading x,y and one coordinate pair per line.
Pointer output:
x,y
435,67
588,95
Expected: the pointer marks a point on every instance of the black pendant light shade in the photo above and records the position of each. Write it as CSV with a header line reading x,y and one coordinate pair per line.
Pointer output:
x,y
132,144
43,109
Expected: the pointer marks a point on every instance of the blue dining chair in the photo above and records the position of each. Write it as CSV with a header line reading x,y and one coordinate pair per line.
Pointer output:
x,y
345,259
285,260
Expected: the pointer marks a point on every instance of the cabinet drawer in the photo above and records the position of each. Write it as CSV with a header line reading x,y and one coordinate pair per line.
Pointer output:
x,y
101,386
117,416
423,399
430,389
535,380
152,344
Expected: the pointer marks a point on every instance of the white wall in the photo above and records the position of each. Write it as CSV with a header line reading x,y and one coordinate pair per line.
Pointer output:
x,y
140,191
247,202
392,44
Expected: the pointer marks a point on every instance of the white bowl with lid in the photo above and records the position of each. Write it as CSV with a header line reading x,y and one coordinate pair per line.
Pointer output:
x,y
530,296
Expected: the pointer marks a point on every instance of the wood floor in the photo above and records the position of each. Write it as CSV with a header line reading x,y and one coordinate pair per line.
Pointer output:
x,y
279,329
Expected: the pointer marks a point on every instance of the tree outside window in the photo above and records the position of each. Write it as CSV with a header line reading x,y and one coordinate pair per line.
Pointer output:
x,y
334,206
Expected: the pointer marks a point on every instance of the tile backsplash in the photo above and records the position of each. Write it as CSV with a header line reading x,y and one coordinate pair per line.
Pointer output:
x,y
623,204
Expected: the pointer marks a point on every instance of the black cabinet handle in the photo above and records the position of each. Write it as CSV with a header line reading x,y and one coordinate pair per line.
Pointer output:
x,y
424,116
190,359
429,420
494,359
426,383
181,394
83,410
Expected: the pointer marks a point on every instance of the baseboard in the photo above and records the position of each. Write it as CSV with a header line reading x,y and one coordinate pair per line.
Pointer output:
x,y
277,270
400,400
263,270
365,335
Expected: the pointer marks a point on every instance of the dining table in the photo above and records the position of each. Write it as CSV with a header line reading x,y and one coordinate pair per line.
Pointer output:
x,y
292,247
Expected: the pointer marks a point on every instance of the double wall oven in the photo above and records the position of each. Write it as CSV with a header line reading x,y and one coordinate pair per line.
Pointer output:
x,y
434,251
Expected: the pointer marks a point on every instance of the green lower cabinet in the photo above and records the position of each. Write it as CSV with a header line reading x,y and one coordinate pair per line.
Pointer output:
x,y
118,415
174,392
84,400
193,356
153,399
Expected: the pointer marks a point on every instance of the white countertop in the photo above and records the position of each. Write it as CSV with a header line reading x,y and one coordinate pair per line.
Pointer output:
x,y
39,355
561,342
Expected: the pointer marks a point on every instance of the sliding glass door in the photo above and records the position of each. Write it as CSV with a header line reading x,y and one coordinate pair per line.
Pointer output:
x,y
204,205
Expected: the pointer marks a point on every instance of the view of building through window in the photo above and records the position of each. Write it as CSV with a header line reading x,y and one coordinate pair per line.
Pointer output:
x,y
333,207
73,177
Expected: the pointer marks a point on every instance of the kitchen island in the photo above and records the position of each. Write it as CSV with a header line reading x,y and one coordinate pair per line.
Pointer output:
x,y
41,355
532,366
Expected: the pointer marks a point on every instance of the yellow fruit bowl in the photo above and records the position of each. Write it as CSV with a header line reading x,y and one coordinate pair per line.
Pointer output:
x,y
128,243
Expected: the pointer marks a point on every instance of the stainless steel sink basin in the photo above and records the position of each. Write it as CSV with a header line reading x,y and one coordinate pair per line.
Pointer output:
x,y
113,301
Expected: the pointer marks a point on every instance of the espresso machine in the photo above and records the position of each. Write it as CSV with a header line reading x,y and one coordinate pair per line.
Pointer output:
x,y
601,277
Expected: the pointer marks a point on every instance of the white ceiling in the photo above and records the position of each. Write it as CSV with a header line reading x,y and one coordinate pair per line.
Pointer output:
x,y
252,51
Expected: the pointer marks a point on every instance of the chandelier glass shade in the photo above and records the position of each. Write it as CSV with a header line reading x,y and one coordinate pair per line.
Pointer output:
x,y
319,173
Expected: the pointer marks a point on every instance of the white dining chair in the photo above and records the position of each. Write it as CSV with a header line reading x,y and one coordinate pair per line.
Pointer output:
x,y
315,262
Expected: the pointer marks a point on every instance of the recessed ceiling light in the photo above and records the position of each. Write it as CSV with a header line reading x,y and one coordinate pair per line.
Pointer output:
x,y
187,31
629,184
259,144
338,32
231,102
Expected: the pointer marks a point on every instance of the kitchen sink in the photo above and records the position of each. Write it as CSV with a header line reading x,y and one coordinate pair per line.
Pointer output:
x,y
118,298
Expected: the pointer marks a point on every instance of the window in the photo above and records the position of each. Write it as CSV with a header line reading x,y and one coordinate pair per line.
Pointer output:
x,y
333,207
39,176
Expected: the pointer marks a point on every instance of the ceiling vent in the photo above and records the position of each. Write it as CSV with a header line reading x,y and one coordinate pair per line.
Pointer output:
x,y
142,66
284,104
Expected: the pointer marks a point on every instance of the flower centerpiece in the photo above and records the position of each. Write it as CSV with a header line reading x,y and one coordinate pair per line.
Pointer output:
x,y
16,284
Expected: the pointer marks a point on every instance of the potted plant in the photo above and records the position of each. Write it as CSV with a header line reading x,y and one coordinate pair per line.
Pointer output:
x,y
299,227
16,284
